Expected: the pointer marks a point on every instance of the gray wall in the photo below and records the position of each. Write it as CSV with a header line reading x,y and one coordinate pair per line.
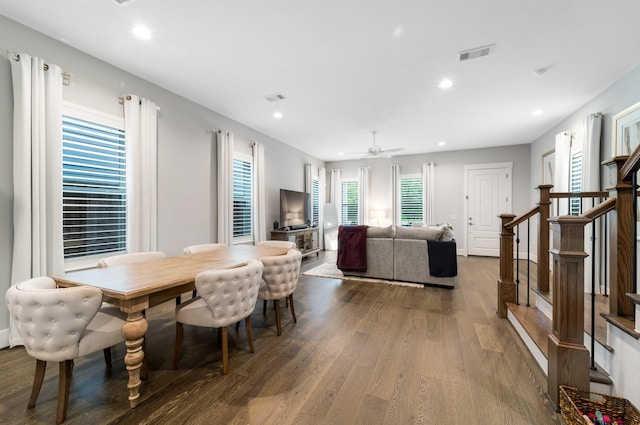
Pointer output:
x,y
619,96
449,179
186,151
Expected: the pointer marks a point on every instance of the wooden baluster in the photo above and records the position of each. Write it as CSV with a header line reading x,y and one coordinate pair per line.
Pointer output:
x,y
506,285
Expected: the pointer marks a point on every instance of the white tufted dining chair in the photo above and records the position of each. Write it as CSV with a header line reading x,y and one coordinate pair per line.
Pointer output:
x,y
278,244
279,280
60,324
193,249
226,297
135,257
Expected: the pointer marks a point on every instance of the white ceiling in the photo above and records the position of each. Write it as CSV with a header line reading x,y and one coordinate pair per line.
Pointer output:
x,y
348,67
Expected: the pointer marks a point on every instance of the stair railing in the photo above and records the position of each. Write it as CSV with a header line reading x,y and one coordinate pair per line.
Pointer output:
x,y
508,288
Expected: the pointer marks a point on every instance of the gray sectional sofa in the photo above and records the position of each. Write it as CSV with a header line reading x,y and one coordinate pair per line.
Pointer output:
x,y
403,254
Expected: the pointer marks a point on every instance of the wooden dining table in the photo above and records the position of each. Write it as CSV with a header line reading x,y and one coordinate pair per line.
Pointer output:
x,y
138,286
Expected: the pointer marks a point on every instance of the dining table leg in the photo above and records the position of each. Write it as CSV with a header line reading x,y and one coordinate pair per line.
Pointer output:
x,y
133,332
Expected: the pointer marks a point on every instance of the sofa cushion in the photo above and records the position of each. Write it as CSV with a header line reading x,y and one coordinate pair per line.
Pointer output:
x,y
422,233
380,232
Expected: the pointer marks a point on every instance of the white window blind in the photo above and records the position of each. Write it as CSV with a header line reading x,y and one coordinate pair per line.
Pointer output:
x,y
411,196
575,181
242,200
315,198
94,188
349,202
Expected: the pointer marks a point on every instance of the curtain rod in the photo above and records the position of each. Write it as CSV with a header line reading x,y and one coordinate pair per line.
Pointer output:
x,y
214,131
66,77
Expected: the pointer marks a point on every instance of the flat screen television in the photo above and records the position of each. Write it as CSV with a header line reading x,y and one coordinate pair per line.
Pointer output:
x,y
295,209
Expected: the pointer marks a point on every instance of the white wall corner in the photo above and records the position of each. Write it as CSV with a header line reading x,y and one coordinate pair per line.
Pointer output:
x,y
4,338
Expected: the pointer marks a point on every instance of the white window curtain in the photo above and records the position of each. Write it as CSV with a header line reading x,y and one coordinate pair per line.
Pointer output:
x,y
587,135
395,194
141,135
225,186
37,171
363,195
308,178
336,190
563,164
589,132
322,182
259,194
428,200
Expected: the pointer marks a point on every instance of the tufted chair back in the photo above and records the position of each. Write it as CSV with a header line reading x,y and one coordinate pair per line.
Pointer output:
x,y
52,321
230,294
278,244
135,257
226,297
280,275
279,280
204,247
60,324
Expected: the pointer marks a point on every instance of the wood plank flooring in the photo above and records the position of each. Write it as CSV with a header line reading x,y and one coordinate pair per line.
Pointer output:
x,y
361,353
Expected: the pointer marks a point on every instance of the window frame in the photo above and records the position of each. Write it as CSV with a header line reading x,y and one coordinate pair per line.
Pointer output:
x,y
420,204
247,238
100,118
344,206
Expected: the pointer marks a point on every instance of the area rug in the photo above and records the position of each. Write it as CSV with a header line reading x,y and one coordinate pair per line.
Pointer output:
x,y
331,271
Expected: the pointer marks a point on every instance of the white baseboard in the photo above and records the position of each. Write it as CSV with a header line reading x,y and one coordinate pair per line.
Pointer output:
x,y
4,338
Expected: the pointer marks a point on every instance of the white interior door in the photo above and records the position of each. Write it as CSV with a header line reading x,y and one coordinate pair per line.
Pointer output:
x,y
488,196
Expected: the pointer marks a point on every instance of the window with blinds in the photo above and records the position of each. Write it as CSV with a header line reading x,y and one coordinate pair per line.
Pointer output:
x,y
242,200
349,202
575,181
315,199
93,188
411,200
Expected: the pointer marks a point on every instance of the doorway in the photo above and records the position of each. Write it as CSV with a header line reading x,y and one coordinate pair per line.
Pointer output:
x,y
487,195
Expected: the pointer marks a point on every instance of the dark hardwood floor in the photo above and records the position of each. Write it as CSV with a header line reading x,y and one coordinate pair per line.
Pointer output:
x,y
361,353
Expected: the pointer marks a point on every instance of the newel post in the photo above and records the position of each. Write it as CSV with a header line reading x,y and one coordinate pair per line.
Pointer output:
x,y
622,238
568,357
543,237
506,286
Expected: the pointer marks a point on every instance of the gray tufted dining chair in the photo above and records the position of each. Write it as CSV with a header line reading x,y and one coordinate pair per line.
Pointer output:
x,y
225,297
279,280
59,325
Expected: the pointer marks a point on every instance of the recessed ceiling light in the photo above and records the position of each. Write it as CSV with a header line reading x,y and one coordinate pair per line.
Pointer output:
x,y
397,32
142,32
341,153
537,112
445,83
441,143
277,115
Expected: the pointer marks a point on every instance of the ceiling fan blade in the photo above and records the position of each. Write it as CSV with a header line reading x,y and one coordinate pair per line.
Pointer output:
x,y
392,150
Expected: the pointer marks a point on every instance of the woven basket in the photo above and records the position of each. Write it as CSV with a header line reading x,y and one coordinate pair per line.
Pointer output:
x,y
574,403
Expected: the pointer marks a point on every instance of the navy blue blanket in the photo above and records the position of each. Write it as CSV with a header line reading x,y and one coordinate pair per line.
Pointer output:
x,y
443,261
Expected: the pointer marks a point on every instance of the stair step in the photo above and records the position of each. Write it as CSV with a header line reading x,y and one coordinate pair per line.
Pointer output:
x,y
600,376
537,325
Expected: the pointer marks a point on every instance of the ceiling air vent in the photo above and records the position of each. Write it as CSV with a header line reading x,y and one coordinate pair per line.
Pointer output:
x,y
476,53
275,97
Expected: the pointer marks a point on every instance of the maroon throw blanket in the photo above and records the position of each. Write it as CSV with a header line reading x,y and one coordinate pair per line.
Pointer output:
x,y
352,248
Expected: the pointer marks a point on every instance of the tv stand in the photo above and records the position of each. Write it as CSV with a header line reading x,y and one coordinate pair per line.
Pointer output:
x,y
299,226
306,239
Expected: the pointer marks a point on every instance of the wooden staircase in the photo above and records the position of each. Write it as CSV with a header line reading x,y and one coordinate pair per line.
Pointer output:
x,y
553,326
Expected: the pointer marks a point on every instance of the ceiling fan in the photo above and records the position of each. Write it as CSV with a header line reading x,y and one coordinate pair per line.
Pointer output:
x,y
376,151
